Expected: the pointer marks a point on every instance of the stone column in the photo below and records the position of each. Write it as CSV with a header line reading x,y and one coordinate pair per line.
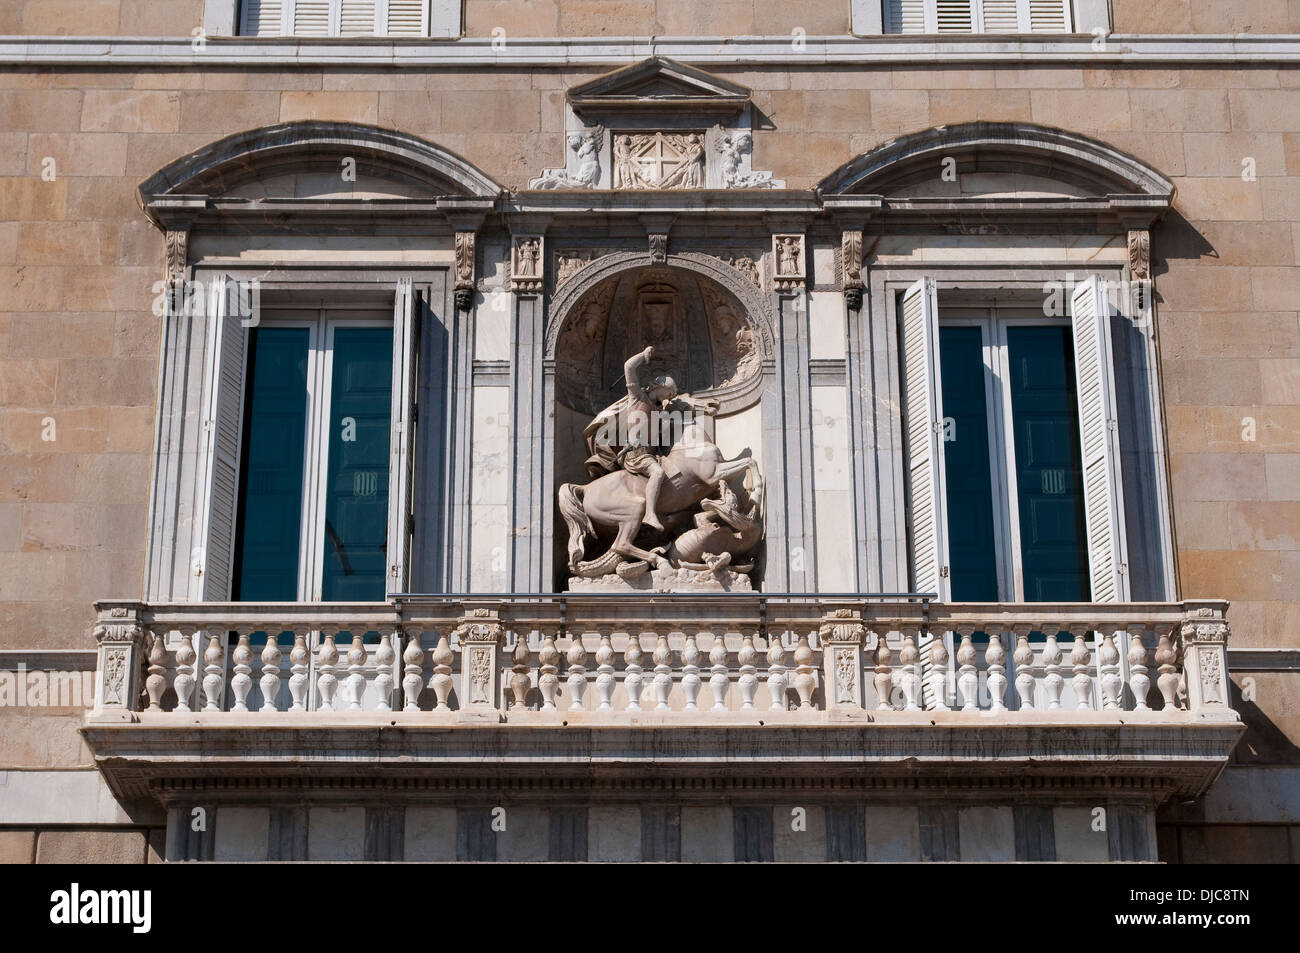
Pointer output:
x,y
1205,662
842,634
481,637
120,637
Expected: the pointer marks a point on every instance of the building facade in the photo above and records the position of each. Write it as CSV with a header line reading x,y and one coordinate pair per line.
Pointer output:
x,y
969,327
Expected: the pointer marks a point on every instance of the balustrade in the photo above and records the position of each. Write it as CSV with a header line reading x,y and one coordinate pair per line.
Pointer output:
x,y
694,661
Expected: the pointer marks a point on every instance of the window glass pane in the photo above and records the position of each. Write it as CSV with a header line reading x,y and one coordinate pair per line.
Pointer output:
x,y
271,465
1049,473
972,552
356,486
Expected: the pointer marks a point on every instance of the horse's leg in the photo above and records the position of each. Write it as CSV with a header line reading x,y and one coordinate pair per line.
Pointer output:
x,y
624,546
726,469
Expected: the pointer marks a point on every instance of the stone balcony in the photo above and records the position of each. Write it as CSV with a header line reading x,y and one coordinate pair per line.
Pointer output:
x,y
596,688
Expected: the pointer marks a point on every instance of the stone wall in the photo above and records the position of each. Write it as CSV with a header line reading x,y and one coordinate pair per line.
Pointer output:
x,y
78,344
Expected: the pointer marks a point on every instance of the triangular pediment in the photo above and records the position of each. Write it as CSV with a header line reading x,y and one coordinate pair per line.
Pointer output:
x,y
658,84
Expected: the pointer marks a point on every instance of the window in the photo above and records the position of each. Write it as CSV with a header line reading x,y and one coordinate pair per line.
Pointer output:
x,y
309,416
1013,455
977,16
334,18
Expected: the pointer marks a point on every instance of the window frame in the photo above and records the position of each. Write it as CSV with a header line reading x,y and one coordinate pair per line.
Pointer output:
x,y
868,18
288,8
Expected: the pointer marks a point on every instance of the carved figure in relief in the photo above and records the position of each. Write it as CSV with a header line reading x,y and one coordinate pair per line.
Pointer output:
x,y
733,149
586,146
529,251
638,486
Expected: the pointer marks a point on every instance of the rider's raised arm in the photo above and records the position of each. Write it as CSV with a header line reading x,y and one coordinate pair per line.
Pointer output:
x,y
632,372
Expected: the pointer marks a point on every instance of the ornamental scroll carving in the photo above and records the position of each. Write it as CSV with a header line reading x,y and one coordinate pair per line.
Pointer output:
x,y
465,252
846,676
1139,253
177,252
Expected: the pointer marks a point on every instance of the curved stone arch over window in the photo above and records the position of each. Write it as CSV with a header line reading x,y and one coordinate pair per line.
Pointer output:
x,y
1090,166
314,145
754,303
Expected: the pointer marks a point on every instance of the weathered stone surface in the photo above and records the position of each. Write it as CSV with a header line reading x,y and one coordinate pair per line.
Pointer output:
x,y
17,847
91,847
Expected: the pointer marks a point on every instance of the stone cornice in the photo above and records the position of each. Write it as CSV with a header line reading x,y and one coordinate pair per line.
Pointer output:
x,y
1119,49
1175,756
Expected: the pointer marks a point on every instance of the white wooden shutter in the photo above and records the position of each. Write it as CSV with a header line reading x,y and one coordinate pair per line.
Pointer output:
x,y
408,17
905,16
1048,16
357,18
261,18
923,406
1103,488
952,16
1000,16
312,17
223,410
400,451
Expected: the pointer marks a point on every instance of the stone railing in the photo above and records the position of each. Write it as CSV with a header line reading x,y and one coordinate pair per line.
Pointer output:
x,y
681,658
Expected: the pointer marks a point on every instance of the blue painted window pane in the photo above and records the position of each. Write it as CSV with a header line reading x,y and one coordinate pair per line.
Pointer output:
x,y
972,552
356,488
271,477
1049,469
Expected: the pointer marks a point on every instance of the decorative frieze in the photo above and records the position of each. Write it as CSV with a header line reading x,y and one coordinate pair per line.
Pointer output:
x,y
527,263
742,262
569,261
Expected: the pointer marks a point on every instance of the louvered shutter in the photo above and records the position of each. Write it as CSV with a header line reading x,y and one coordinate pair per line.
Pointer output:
x,y
1048,16
262,18
905,16
357,18
400,456
408,18
1103,489
311,17
952,16
1000,16
924,409
222,424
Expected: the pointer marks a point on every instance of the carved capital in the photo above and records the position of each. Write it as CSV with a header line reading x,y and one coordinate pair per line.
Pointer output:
x,y
177,252
658,248
1139,253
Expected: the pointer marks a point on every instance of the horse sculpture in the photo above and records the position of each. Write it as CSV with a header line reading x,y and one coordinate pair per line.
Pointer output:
x,y
694,469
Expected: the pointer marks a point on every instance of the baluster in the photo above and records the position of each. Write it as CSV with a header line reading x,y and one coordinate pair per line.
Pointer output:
x,y
804,680
213,671
1166,657
299,666
605,672
548,671
995,657
1053,680
269,683
909,657
385,665
184,681
413,671
690,671
156,684
326,682
1111,682
1139,681
748,671
633,679
242,662
577,680
884,677
1080,658
356,677
663,657
968,681
718,681
939,671
440,681
777,679
1024,659
521,681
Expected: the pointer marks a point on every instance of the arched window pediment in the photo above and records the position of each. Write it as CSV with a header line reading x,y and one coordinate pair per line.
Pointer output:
x,y
295,160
